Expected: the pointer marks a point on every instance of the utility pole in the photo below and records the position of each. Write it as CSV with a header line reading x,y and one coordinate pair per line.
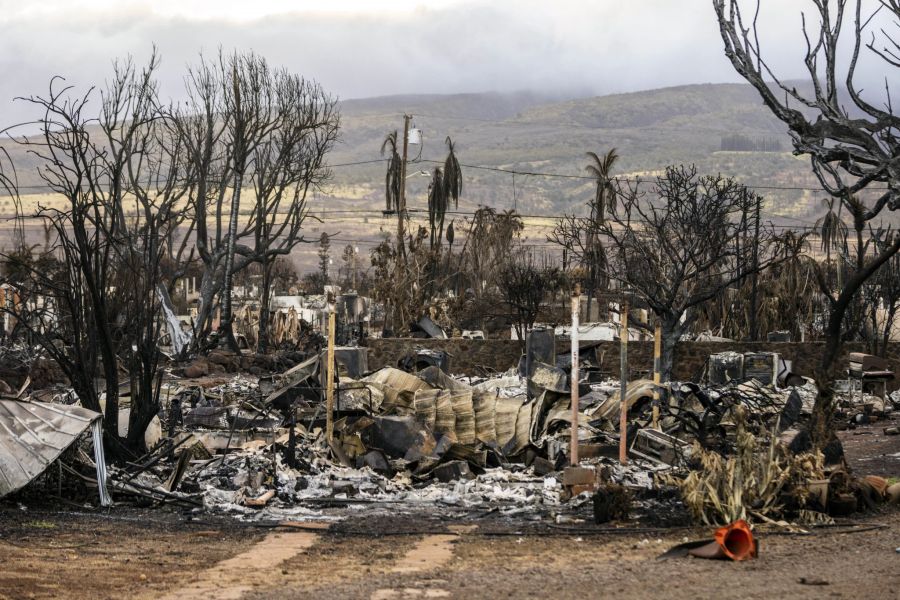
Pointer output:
x,y
401,210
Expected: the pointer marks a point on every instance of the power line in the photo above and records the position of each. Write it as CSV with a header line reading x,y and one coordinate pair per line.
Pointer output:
x,y
505,123
360,162
631,179
422,211
499,169
549,174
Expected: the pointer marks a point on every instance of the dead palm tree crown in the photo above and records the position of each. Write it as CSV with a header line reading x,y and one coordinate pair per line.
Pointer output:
x,y
605,194
392,177
832,230
452,174
604,200
446,185
437,204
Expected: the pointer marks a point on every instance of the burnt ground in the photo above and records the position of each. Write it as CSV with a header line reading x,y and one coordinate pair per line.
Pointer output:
x,y
870,452
161,553
158,554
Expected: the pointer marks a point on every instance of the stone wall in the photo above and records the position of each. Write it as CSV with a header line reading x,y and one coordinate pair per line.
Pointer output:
x,y
470,357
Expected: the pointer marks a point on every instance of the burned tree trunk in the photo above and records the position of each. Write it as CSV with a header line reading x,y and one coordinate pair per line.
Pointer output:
x,y
225,322
822,430
671,331
675,248
852,143
262,339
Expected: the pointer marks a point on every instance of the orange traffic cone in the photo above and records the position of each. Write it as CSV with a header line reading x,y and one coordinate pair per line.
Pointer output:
x,y
734,541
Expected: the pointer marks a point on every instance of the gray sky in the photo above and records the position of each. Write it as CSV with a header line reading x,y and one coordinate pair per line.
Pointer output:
x,y
360,48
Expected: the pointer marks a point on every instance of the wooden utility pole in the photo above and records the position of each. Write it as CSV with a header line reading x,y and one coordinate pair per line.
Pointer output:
x,y
623,384
573,378
657,367
329,385
401,209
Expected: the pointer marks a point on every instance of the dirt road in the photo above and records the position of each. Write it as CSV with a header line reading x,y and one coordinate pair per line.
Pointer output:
x,y
158,554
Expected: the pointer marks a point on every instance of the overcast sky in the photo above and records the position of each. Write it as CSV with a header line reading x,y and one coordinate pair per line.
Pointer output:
x,y
360,48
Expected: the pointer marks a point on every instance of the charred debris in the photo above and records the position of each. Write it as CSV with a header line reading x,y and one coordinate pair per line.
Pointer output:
x,y
316,434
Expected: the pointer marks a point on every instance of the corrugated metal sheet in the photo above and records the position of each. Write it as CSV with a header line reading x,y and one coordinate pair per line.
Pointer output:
x,y
33,435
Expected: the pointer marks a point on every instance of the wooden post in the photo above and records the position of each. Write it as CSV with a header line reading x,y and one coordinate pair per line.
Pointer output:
x,y
623,384
329,386
657,375
573,379
401,209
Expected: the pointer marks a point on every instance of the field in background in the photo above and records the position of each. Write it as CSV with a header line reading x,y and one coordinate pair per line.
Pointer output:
x,y
529,133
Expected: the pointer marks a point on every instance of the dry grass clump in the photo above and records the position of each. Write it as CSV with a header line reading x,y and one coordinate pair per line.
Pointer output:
x,y
752,482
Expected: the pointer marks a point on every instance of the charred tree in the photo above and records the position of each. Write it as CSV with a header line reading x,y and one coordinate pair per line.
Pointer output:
x,y
92,289
849,150
525,286
672,246
247,125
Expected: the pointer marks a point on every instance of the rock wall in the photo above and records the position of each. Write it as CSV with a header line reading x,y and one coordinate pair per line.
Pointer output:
x,y
474,357
468,357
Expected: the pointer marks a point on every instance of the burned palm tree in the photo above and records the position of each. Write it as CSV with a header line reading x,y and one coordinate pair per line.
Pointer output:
x,y
437,206
833,232
579,237
604,200
392,177
452,175
605,193
446,186
393,185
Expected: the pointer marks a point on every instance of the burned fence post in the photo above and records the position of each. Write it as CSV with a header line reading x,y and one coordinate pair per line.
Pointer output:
x,y
657,364
623,385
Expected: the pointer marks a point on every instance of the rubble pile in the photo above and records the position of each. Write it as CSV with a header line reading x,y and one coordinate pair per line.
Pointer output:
x,y
261,445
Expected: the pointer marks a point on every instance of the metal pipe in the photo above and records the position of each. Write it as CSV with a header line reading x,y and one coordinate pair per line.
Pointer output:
x,y
573,379
329,386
